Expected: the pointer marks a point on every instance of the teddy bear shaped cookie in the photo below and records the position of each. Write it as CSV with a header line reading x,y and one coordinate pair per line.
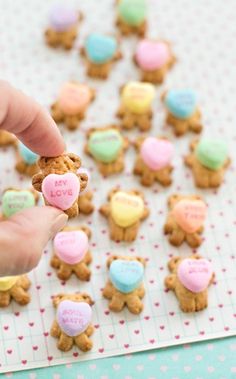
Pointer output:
x,y
136,105
124,211
131,17
15,200
154,58
72,103
183,113
107,146
86,206
190,279
185,221
100,52
26,160
72,325
60,182
125,285
14,288
6,138
208,160
63,26
71,253
153,162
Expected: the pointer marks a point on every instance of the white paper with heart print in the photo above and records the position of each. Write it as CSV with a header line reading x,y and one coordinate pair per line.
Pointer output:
x,y
40,72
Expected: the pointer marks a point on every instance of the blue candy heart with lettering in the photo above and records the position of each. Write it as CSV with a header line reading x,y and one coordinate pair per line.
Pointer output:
x,y
27,155
181,102
126,276
100,48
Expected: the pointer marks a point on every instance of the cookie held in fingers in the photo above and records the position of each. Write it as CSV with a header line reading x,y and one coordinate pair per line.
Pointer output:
x,y
185,221
14,288
72,325
60,182
208,159
125,285
190,279
132,17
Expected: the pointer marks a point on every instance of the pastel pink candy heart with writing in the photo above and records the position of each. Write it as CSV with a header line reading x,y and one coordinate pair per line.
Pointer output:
x,y
71,246
190,214
152,55
74,98
195,274
61,191
73,318
156,153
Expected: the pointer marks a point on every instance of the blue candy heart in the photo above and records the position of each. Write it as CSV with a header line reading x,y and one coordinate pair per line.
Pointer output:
x,y
181,102
126,276
27,155
100,48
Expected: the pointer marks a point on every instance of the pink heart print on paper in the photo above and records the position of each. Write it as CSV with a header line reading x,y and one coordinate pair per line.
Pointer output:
x,y
71,246
152,55
190,214
156,153
61,191
73,318
195,274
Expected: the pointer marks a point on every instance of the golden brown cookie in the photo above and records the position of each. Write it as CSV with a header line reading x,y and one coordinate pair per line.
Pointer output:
x,y
131,17
136,105
185,220
72,325
7,138
106,146
72,103
63,26
183,113
14,288
100,52
154,58
125,285
190,279
60,183
26,160
208,160
86,206
15,200
71,253
125,210
153,162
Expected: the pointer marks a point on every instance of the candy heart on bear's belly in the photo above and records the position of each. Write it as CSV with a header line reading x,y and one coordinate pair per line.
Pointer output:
x,y
195,274
137,97
71,246
156,153
105,145
190,214
126,209
181,103
15,201
126,276
61,191
74,98
100,48
152,55
73,318
212,153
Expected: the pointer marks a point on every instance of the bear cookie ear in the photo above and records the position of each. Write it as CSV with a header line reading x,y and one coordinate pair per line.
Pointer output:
x,y
44,161
112,193
111,259
173,263
141,260
172,200
75,159
86,298
86,230
57,299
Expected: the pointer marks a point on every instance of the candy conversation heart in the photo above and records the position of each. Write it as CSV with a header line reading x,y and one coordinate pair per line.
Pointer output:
x,y
132,11
190,214
27,155
126,209
126,276
62,17
73,318
100,48
195,274
105,145
212,153
137,97
74,98
152,55
15,201
181,102
71,246
7,282
61,191
156,153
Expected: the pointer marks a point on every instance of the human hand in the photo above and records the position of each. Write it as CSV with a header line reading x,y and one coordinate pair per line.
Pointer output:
x,y
24,235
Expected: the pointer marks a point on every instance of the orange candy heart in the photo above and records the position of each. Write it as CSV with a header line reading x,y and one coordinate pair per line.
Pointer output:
x,y
190,214
74,98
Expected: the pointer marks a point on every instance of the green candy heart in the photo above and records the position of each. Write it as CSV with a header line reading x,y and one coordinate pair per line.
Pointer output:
x,y
105,145
212,154
133,12
15,201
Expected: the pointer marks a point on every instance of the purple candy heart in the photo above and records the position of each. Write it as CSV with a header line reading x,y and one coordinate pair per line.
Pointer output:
x,y
62,17
73,318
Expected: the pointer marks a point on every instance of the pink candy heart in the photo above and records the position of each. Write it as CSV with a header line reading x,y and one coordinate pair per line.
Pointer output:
x,y
156,153
152,55
195,274
71,246
61,191
190,214
73,318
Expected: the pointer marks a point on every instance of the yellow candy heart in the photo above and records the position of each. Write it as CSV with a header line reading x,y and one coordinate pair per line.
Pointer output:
x,y
137,97
7,282
126,209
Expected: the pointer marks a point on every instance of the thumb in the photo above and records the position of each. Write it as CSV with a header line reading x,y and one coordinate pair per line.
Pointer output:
x,y
24,236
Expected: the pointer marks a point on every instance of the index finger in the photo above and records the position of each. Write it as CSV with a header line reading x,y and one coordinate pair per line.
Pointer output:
x,y
22,116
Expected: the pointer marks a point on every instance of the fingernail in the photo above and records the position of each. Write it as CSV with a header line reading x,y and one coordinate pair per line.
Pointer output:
x,y
58,224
